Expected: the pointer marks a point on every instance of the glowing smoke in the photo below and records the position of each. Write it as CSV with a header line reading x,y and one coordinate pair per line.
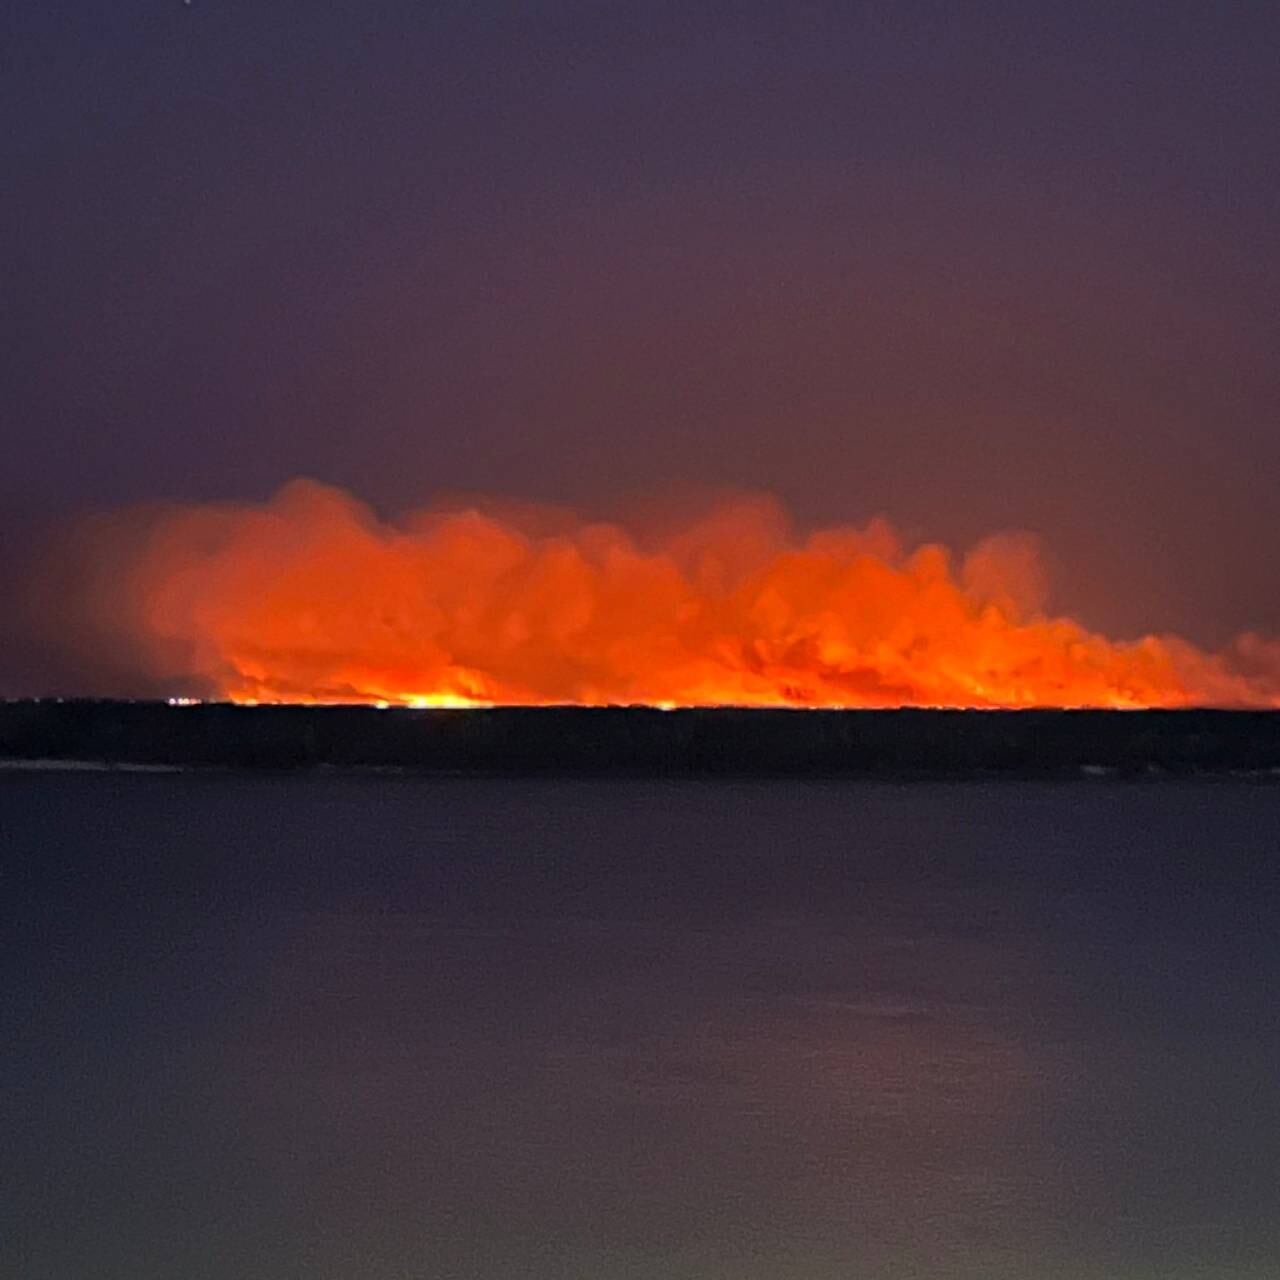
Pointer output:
x,y
310,597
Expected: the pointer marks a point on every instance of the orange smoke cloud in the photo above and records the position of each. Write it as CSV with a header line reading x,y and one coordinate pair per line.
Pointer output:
x,y
311,598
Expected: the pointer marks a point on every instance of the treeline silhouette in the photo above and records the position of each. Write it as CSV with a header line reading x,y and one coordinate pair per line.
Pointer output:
x,y
646,741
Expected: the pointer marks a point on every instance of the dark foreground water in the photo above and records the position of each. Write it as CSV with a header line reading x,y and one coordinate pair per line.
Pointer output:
x,y
366,1029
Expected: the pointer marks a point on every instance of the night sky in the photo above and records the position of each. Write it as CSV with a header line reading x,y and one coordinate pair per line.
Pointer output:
x,y
975,266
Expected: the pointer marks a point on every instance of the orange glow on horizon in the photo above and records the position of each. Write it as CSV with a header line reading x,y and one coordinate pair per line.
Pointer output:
x,y
310,598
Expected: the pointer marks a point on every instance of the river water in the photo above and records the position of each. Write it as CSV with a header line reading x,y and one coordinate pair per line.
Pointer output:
x,y
356,1028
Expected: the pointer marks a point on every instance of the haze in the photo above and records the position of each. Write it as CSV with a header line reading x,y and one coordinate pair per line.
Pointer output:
x,y
974,267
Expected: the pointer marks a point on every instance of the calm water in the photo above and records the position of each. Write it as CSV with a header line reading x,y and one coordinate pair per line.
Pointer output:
x,y
364,1029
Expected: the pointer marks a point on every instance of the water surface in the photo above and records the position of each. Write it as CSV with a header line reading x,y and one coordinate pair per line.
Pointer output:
x,y
373,1029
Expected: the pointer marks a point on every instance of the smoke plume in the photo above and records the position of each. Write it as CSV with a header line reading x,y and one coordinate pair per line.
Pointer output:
x,y
312,598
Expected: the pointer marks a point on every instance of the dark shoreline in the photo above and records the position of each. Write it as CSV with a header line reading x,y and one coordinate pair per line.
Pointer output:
x,y
642,741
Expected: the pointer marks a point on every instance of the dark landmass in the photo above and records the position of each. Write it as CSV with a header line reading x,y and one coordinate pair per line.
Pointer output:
x,y
645,741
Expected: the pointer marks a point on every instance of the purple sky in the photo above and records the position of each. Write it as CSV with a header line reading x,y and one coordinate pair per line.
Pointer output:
x,y
971,265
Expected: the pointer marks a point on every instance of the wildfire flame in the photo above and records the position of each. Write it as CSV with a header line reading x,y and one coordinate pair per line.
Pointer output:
x,y
311,598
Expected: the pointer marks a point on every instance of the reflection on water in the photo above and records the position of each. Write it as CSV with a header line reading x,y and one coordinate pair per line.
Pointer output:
x,y
364,1028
